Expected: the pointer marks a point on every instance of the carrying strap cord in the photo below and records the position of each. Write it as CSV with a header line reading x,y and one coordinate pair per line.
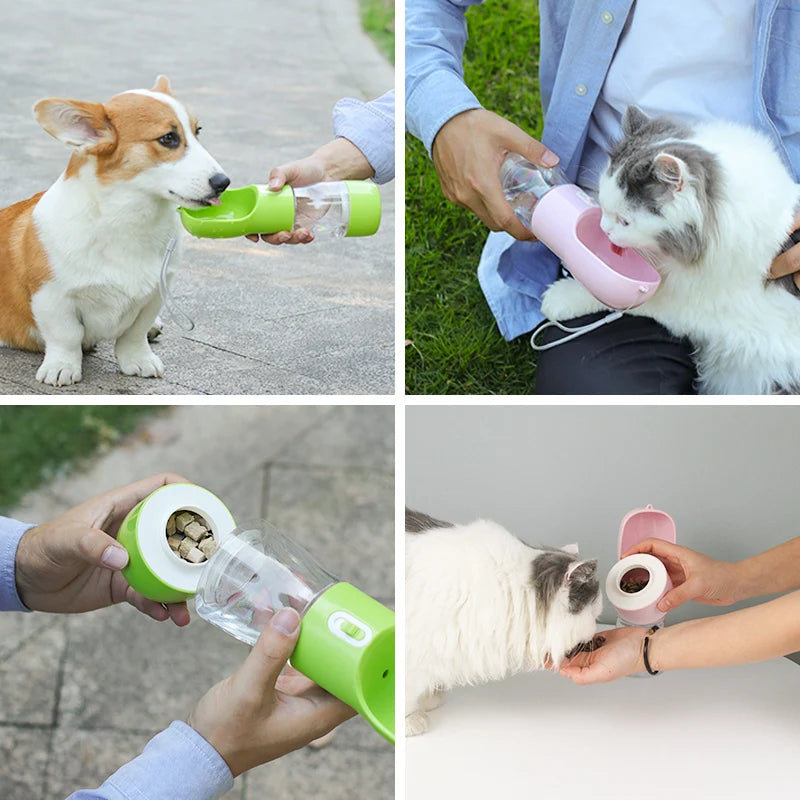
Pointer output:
x,y
180,318
574,333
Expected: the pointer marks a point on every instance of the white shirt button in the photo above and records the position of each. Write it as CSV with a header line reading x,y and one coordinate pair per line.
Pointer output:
x,y
607,17
581,90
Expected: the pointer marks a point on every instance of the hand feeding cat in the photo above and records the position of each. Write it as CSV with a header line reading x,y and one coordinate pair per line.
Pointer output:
x,y
710,206
482,605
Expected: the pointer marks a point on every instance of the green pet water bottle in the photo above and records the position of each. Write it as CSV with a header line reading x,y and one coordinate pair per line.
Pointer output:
x,y
333,209
346,640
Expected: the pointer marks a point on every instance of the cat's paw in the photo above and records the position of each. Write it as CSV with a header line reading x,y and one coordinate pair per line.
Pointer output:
x,y
431,701
416,723
567,299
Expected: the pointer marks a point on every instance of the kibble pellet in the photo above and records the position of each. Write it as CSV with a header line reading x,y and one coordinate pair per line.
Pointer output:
x,y
190,537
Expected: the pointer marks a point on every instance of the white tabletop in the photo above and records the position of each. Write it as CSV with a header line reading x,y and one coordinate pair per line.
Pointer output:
x,y
692,735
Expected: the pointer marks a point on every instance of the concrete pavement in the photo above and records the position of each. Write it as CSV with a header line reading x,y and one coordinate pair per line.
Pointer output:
x,y
262,77
81,695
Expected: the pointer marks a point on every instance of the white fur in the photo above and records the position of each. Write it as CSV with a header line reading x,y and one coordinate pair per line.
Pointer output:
x,y
746,329
105,245
471,614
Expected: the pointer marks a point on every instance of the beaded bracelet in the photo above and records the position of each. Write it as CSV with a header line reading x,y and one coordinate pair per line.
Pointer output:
x,y
647,666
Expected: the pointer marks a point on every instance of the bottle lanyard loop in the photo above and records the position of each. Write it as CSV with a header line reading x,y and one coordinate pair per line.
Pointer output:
x,y
573,333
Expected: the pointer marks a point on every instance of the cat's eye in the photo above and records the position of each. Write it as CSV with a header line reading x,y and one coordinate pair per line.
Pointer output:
x,y
622,221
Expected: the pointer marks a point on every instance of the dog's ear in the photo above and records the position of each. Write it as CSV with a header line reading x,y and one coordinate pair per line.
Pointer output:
x,y
162,85
84,126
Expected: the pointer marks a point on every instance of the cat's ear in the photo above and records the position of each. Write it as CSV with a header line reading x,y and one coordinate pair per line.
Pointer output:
x,y
670,170
572,549
581,572
633,120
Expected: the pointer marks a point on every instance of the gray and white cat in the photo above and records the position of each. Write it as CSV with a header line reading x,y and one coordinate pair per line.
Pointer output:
x,y
482,605
711,206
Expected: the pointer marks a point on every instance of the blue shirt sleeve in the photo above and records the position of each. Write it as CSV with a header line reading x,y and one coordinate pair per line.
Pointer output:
x,y
436,33
11,531
370,127
177,764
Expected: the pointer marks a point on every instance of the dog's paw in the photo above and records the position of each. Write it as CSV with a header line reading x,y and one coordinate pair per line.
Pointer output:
x,y
156,330
143,363
567,299
416,723
59,371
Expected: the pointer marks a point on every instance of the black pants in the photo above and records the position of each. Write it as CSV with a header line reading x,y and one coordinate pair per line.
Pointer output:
x,y
632,355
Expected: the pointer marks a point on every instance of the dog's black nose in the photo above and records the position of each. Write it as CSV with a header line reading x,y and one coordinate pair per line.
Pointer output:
x,y
219,182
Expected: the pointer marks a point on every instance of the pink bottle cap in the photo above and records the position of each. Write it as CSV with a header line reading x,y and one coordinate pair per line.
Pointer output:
x,y
645,523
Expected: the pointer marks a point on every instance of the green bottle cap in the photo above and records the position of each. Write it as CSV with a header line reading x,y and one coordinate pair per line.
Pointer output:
x,y
250,209
365,208
346,645
153,569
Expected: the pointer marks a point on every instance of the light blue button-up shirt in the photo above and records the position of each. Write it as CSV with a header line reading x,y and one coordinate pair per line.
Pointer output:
x,y
370,127
578,39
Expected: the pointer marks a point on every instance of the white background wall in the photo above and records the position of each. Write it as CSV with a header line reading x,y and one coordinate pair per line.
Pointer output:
x,y
728,475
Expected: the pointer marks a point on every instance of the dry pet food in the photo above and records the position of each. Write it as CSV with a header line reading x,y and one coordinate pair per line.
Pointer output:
x,y
631,587
190,536
587,647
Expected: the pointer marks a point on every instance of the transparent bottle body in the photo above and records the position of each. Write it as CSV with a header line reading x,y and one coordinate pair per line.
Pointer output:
x,y
524,184
323,208
256,572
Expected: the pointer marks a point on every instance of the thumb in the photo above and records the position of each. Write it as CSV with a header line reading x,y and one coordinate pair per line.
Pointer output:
x,y
99,549
531,149
677,596
278,178
272,650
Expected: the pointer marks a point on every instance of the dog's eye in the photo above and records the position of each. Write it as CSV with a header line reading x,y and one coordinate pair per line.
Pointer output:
x,y
197,130
622,221
170,140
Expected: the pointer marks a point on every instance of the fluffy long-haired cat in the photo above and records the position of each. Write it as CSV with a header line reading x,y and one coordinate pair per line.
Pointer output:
x,y
711,206
482,605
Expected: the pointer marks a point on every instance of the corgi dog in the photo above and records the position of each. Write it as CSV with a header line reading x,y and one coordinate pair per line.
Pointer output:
x,y
80,263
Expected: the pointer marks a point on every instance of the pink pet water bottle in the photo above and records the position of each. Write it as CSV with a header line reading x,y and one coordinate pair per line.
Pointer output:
x,y
567,220
636,584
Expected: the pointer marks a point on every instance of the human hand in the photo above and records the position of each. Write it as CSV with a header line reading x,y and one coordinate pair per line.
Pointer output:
x,y
337,160
620,654
788,262
257,714
468,152
694,576
72,563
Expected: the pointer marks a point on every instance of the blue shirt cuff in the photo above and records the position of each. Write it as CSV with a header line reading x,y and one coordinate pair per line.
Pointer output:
x,y
437,98
370,127
177,764
11,531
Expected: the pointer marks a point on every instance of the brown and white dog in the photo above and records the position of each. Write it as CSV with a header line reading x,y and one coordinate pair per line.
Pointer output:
x,y
80,263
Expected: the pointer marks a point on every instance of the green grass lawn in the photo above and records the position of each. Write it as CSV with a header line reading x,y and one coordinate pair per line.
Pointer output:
x,y
455,346
40,442
377,19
